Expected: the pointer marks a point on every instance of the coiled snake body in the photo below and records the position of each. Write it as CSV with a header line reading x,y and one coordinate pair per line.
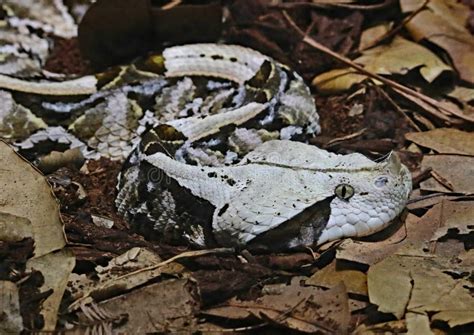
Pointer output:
x,y
222,161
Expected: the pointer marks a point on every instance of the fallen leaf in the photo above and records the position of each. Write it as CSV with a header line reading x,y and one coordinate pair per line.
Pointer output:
x,y
458,217
330,276
131,260
429,275
373,34
390,327
455,174
55,268
26,194
401,283
337,80
445,140
418,324
306,309
425,202
113,279
55,160
119,279
11,321
415,235
14,228
373,252
166,307
438,110
399,57
462,94
442,23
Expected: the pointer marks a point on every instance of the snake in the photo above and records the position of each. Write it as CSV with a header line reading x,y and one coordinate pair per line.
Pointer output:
x,y
214,144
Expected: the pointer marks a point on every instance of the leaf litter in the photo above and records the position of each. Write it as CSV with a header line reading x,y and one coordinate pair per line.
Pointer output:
x,y
415,276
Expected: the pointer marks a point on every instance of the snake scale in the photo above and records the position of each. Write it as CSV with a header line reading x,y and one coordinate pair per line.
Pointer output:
x,y
213,137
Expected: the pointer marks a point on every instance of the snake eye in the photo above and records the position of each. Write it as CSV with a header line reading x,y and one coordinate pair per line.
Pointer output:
x,y
344,191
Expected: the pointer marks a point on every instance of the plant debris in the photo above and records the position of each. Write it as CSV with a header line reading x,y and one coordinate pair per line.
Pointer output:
x,y
387,75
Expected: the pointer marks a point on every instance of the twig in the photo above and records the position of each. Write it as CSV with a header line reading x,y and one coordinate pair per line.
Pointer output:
x,y
338,140
418,178
172,4
394,31
444,112
329,4
398,109
188,254
233,330
443,181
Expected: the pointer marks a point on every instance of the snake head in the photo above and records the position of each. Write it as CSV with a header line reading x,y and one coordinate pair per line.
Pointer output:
x,y
367,200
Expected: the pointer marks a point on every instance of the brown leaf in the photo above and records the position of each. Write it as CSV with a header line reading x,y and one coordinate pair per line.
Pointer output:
x,y
26,194
334,273
130,277
445,140
390,327
165,307
403,283
122,273
373,252
428,276
11,321
416,234
306,309
442,23
458,216
454,174
399,57
55,268
372,35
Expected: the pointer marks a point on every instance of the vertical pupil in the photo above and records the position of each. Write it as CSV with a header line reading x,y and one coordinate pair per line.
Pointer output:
x,y
343,191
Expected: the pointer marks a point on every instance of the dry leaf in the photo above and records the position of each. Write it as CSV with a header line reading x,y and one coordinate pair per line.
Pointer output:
x,y
305,309
428,276
330,276
398,57
337,80
453,174
390,327
25,193
373,34
416,234
165,307
462,94
458,216
445,140
115,279
10,317
442,23
435,225
429,201
418,324
55,268
14,228
55,160
373,252
402,283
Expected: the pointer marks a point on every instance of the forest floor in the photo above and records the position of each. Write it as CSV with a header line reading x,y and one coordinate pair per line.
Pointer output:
x,y
416,97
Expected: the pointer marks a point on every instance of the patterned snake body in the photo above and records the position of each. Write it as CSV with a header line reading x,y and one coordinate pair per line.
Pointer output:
x,y
217,165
